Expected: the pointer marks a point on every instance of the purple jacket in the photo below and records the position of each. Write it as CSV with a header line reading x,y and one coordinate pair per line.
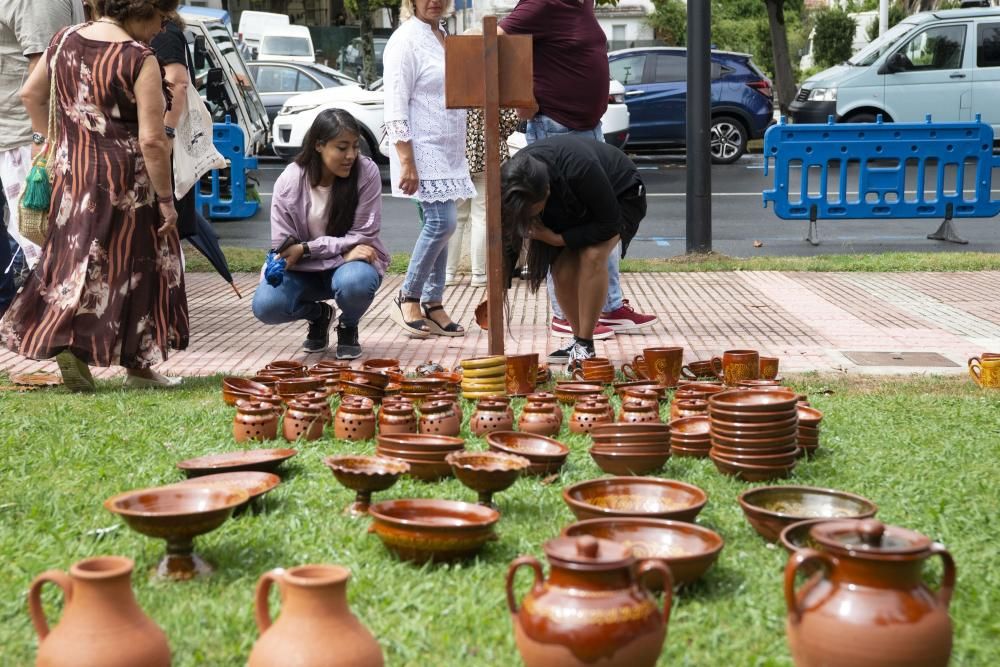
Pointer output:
x,y
290,214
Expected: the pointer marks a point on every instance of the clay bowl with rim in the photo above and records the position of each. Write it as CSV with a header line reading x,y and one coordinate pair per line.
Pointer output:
x,y
644,497
690,452
365,475
809,416
332,364
376,379
640,438
795,536
809,430
286,365
260,460
738,434
750,400
256,484
349,388
769,509
704,386
381,365
178,513
427,385
629,463
296,386
424,470
752,451
487,473
768,443
413,454
695,441
779,459
266,379
569,392
689,550
235,388
621,387
754,384
697,425
760,426
750,473
620,428
785,416
649,448
421,442
547,456
424,530
450,377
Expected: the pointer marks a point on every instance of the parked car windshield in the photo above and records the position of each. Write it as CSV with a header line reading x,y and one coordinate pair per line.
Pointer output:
x,y
874,51
281,45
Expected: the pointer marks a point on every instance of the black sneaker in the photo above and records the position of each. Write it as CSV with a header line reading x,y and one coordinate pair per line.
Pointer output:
x,y
561,356
318,338
348,346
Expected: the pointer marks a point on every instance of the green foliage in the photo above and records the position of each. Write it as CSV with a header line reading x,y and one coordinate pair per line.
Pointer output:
x,y
669,21
834,35
374,6
896,14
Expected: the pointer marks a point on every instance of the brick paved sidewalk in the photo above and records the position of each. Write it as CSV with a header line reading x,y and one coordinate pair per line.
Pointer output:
x,y
808,319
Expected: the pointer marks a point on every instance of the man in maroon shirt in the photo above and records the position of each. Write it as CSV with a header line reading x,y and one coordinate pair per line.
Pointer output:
x,y
570,62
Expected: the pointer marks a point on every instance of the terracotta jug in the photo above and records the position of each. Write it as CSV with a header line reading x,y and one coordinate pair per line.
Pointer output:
x,y
586,414
635,411
439,418
302,420
537,418
490,416
870,607
594,608
255,420
397,416
316,627
101,625
355,420
550,400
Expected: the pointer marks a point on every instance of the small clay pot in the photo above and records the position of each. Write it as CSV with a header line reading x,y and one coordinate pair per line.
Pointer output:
x,y
586,414
449,396
302,420
690,407
538,418
650,396
321,399
604,401
490,416
255,420
550,400
397,416
355,419
639,412
439,418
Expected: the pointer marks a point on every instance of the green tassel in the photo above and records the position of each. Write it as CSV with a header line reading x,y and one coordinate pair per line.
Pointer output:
x,y
37,189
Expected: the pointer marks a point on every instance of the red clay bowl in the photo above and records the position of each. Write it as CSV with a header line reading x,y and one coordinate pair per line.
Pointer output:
x,y
256,484
620,428
784,459
428,385
424,470
750,473
697,425
235,388
375,379
414,454
769,443
809,416
631,438
719,429
381,364
487,473
796,536
690,452
750,400
682,441
568,392
752,451
644,497
688,549
769,509
706,387
286,365
719,415
349,388
296,386
547,456
629,463
261,460
421,442
422,530
621,387
177,511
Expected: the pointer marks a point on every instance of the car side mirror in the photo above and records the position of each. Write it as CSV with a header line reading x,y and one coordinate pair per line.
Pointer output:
x,y
215,88
895,63
200,52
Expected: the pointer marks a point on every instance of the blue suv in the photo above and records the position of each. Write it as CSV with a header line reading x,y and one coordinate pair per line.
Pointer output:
x,y
655,80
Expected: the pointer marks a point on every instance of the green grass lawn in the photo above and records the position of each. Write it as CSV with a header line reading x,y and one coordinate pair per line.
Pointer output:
x,y
925,450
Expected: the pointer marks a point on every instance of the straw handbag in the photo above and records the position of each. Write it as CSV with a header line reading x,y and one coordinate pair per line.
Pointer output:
x,y
36,196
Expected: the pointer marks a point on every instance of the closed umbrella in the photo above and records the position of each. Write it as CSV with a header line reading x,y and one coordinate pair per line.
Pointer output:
x,y
206,241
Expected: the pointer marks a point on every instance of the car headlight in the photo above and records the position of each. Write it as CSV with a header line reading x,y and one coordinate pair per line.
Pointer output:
x,y
290,110
823,95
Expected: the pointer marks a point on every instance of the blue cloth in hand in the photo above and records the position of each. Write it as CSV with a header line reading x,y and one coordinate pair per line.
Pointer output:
x,y
274,269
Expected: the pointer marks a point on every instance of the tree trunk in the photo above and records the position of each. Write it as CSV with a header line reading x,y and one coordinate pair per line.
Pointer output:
x,y
784,77
367,43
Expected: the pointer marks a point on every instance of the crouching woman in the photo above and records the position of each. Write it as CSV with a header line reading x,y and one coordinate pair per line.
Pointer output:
x,y
328,201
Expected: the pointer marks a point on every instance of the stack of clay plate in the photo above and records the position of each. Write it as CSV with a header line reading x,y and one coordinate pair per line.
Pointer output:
x,y
424,452
754,433
630,449
484,376
690,436
809,419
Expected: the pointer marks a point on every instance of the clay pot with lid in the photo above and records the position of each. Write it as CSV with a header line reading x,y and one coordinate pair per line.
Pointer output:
x,y
537,418
639,412
255,420
688,407
587,414
870,606
550,400
490,416
316,627
355,420
320,399
439,418
397,416
449,396
101,624
593,609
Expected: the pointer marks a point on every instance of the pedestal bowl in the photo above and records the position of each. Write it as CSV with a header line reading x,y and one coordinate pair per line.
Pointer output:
x,y
643,497
487,473
422,530
177,514
769,509
365,475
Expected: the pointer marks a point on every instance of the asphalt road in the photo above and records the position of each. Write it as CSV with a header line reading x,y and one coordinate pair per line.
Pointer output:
x,y
738,219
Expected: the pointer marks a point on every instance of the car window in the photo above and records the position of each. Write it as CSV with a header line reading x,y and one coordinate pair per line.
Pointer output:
x,y
670,68
719,70
628,70
281,45
935,48
988,45
274,79
306,83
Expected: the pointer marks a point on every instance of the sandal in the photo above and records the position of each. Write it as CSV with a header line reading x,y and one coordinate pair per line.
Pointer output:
x,y
417,328
75,372
451,329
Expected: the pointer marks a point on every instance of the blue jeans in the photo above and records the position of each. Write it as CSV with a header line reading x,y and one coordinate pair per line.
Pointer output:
x,y
429,261
352,285
541,127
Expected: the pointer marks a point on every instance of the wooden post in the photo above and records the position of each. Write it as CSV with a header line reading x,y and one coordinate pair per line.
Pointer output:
x,y
490,72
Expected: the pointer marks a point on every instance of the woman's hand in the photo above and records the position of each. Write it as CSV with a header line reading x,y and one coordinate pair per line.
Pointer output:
x,y
361,253
292,254
408,180
168,214
539,232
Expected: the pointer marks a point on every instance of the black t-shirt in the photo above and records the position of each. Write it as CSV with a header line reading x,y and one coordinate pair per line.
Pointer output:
x,y
170,48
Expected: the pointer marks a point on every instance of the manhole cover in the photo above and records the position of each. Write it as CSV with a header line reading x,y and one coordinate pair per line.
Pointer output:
x,y
918,359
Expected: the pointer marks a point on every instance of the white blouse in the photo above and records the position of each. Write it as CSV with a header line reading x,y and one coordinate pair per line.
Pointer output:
x,y
415,111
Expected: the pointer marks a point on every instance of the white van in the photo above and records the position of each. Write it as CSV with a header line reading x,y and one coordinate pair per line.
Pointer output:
x,y
254,24
944,63
291,43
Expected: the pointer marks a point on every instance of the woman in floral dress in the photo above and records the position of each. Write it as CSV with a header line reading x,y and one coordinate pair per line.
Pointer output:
x,y
109,288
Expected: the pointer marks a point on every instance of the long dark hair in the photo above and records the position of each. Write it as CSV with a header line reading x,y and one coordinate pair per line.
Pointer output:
x,y
344,195
524,182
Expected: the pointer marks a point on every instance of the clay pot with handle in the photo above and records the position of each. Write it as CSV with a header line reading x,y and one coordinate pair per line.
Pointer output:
x,y
593,609
316,627
870,606
101,625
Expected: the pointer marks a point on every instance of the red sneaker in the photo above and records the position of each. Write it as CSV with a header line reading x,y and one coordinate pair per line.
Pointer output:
x,y
560,329
625,319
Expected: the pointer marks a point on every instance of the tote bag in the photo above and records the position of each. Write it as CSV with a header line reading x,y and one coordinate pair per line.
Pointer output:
x,y
194,152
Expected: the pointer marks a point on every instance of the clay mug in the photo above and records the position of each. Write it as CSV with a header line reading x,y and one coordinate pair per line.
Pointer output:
x,y
663,364
869,607
697,370
594,609
768,368
522,374
735,366
316,626
985,370
101,624
636,370
598,370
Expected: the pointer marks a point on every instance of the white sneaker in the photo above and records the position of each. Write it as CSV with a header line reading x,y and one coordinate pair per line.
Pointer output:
x,y
159,382
578,353
450,280
478,281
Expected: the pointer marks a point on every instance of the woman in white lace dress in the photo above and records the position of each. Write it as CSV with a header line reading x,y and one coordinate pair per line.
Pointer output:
x,y
427,160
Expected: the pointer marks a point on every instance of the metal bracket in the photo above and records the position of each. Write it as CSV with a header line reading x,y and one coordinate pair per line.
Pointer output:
x,y
813,234
947,231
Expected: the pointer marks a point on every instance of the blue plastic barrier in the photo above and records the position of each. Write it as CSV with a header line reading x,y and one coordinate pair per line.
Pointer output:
x,y
861,171
228,139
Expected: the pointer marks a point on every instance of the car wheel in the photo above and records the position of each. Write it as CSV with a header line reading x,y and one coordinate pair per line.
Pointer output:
x,y
728,140
861,118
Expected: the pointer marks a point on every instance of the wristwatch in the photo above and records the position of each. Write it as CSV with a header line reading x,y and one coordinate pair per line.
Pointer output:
x,y
305,250
37,138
